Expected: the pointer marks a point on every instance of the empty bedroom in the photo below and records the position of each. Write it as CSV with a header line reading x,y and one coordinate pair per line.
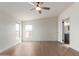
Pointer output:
x,y
39,28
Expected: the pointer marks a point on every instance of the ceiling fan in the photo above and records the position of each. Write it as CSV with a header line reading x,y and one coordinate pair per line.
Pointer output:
x,y
38,7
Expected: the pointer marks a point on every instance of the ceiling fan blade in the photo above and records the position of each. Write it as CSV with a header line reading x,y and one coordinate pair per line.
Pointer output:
x,y
39,11
31,3
46,8
38,4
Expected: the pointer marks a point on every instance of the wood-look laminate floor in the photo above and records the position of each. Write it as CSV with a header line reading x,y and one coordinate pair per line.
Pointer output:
x,y
40,49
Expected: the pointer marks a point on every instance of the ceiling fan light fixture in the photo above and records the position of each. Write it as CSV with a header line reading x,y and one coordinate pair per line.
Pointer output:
x,y
38,8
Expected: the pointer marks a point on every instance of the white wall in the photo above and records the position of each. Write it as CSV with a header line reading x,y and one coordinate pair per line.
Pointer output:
x,y
43,29
73,13
7,30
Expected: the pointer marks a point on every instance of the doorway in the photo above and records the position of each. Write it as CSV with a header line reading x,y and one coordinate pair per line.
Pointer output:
x,y
66,31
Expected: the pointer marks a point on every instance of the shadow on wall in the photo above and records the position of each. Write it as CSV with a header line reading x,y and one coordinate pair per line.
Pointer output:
x,y
7,30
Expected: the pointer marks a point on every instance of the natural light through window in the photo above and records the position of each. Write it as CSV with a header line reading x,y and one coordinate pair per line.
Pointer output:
x,y
28,27
17,31
17,27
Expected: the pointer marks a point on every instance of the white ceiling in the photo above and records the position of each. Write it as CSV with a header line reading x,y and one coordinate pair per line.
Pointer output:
x,y
22,11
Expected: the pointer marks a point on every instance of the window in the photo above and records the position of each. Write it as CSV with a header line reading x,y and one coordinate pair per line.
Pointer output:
x,y
28,30
17,27
17,31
